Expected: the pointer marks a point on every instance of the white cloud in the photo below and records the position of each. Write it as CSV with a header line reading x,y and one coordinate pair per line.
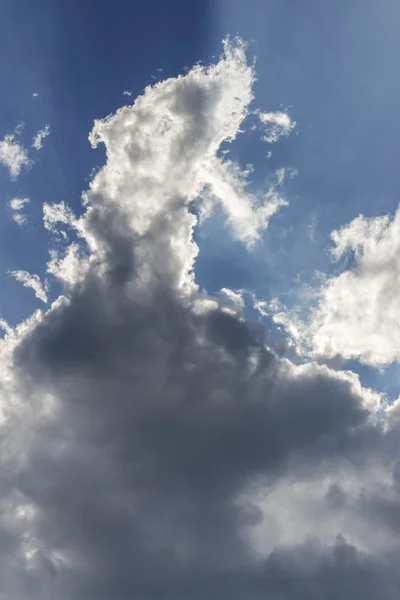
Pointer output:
x,y
17,206
357,313
275,125
248,213
69,268
160,140
13,155
20,219
35,95
31,281
4,325
177,159
37,141
56,214
19,128
232,302
127,93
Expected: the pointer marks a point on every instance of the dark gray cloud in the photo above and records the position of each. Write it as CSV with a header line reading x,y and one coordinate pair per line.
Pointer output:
x,y
157,436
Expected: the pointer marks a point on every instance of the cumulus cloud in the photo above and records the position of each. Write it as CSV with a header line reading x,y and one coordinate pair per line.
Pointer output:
x,y
13,155
17,206
153,447
356,313
31,281
37,141
275,125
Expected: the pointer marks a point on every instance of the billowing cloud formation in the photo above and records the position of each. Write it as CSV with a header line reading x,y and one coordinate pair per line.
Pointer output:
x,y
275,125
357,313
37,141
31,281
194,168
153,447
13,155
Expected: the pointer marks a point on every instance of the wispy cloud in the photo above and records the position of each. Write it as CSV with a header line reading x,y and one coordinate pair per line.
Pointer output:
x,y
37,141
275,125
32,281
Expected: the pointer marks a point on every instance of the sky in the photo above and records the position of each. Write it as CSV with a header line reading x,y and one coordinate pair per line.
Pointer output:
x,y
199,316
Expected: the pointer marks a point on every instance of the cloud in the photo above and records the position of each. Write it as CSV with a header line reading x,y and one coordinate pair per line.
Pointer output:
x,y
17,206
153,446
248,213
31,281
356,313
37,141
57,214
13,155
20,219
70,266
275,125
127,93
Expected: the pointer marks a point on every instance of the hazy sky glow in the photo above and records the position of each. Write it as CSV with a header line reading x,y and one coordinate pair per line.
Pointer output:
x,y
199,316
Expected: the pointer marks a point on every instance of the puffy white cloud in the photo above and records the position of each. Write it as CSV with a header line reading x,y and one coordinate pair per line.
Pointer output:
x,y
275,125
152,445
37,141
356,313
31,281
13,155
